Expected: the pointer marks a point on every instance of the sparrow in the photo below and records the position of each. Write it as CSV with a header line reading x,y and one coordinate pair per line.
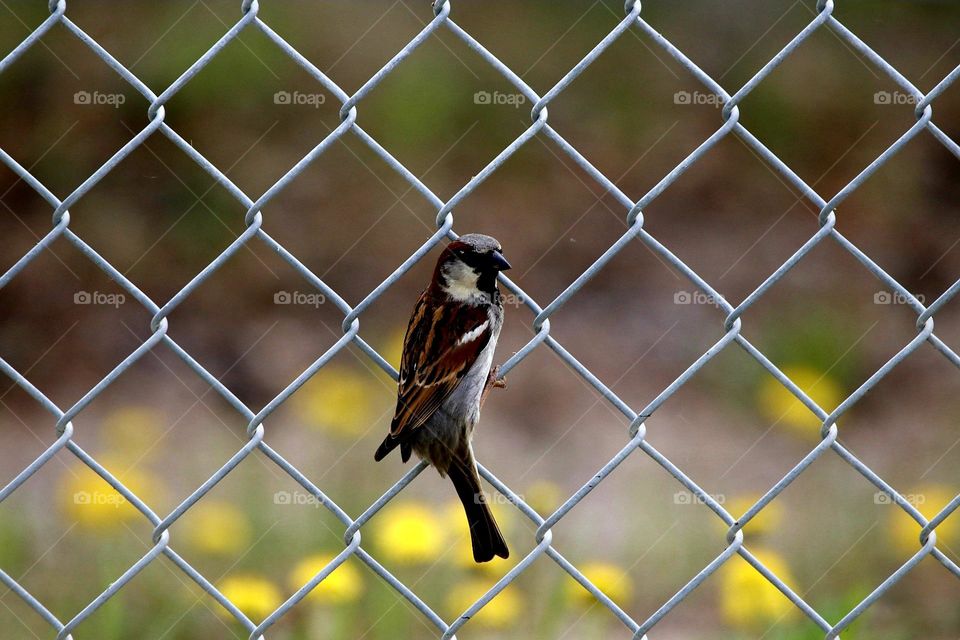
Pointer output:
x,y
446,372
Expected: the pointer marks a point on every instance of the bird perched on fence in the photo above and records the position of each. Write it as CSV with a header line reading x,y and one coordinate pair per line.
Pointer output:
x,y
445,374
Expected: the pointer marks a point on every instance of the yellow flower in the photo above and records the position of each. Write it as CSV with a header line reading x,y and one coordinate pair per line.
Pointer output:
x,y
255,596
499,613
217,528
544,496
780,406
764,522
345,584
455,523
408,532
928,500
609,578
90,501
394,349
337,399
133,428
747,599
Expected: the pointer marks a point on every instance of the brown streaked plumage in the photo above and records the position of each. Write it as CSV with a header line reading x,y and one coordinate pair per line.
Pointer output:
x,y
444,373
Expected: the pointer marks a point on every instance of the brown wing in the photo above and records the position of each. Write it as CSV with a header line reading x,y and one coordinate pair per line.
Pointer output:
x,y
442,343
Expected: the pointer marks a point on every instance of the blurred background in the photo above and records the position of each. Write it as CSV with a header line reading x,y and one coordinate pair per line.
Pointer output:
x,y
444,113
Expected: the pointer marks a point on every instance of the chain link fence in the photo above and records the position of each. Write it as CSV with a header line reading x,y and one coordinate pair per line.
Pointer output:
x,y
637,444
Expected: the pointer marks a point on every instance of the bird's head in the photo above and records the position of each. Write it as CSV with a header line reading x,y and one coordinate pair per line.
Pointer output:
x,y
469,266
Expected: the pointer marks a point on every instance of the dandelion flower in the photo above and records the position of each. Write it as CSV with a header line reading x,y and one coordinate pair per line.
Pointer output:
x,y
780,406
254,595
747,599
766,521
499,613
133,428
394,349
216,528
544,496
344,585
607,577
337,399
90,501
408,532
928,500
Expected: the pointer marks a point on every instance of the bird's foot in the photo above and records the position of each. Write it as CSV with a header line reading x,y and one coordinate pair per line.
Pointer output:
x,y
494,381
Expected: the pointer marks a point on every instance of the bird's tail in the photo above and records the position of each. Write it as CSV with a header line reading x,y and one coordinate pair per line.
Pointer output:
x,y
389,444
484,533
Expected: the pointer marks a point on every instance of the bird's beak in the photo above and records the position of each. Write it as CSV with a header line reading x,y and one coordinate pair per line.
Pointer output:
x,y
499,262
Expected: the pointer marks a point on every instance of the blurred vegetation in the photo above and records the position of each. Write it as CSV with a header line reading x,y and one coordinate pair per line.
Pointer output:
x,y
160,219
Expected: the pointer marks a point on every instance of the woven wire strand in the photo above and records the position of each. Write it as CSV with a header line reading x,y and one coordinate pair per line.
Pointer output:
x,y
255,218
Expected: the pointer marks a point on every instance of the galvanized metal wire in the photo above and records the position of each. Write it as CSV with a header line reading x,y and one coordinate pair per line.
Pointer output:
x,y
731,325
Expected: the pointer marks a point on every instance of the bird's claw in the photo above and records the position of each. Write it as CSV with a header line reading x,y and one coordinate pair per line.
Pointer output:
x,y
494,380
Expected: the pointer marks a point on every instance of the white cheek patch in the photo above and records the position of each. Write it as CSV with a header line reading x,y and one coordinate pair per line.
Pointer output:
x,y
460,292
470,336
461,282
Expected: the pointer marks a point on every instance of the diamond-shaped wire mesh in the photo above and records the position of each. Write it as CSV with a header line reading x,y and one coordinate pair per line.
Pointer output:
x,y
633,210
